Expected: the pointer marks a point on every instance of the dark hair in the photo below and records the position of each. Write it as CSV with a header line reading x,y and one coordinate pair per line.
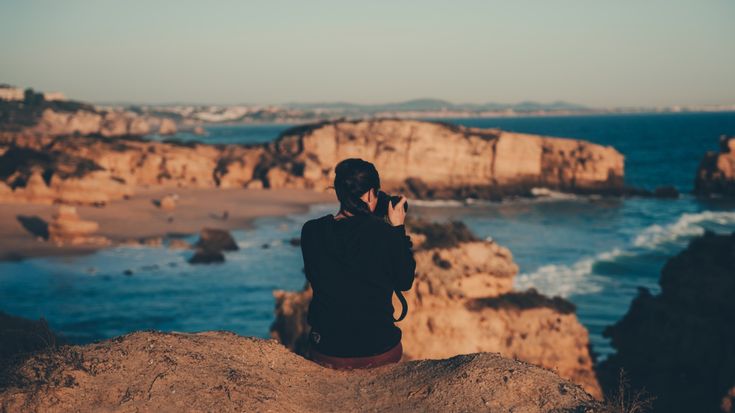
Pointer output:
x,y
352,178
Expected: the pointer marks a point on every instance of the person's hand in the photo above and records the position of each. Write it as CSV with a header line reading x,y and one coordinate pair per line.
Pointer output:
x,y
397,214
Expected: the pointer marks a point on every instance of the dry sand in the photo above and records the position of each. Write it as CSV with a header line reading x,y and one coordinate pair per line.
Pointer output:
x,y
139,218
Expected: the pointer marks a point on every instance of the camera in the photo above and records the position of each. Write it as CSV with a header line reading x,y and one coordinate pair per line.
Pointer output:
x,y
381,209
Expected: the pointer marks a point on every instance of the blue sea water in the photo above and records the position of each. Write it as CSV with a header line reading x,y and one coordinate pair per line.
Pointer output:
x,y
596,252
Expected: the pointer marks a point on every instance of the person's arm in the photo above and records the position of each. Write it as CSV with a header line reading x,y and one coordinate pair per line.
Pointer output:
x,y
306,245
402,263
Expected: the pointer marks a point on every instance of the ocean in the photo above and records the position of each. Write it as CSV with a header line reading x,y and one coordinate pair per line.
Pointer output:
x,y
596,252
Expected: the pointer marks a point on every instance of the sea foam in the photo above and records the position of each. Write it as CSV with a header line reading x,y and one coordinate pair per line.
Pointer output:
x,y
579,278
687,226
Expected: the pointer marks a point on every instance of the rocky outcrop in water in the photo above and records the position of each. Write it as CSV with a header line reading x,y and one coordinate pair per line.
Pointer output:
x,y
211,245
680,345
436,160
716,173
462,302
219,371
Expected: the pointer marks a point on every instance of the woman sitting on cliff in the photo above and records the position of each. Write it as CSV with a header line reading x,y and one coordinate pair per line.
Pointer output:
x,y
354,261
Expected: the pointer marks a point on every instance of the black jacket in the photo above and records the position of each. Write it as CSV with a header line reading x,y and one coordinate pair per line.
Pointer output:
x,y
354,265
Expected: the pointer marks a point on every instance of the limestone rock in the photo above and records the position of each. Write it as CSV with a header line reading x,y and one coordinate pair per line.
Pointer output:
x,y
462,302
449,161
716,173
678,345
423,159
67,228
220,371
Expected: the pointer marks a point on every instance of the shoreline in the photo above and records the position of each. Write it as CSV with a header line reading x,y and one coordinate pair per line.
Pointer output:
x,y
138,219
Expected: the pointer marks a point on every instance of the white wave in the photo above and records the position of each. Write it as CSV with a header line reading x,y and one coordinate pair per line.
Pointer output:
x,y
436,203
551,194
564,280
578,278
688,225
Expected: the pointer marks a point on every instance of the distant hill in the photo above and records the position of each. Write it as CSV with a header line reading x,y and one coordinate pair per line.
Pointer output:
x,y
424,105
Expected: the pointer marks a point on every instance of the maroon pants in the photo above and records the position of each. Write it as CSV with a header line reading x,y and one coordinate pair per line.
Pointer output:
x,y
348,363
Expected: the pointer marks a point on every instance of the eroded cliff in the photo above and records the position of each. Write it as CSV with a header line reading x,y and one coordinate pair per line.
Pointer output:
x,y
462,302
437,160
422,159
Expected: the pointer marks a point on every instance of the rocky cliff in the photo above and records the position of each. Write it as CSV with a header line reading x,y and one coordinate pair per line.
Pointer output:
x,y
423,159
219,371
93,170
37,115
462,302
716,173
437,160
680,345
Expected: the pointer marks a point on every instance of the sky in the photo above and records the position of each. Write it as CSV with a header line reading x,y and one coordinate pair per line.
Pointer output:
x,y
597,53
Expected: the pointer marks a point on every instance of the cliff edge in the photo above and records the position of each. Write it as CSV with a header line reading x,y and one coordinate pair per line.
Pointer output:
x,y
220,371
438,160
422,159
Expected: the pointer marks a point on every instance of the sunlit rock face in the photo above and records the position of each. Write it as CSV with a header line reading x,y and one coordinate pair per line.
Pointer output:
x,y
220,371
462,302
716,173
422,159
439,160
679,345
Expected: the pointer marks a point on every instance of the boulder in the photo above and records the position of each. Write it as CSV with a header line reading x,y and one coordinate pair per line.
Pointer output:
x,y
678,345
716,173
216,240
220,371
462,302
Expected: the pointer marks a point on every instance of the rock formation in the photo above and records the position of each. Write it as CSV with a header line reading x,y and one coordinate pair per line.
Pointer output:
x,y
38,115
680,345
423,159
716,173
436,160
212,242
68,229
462,302
219,371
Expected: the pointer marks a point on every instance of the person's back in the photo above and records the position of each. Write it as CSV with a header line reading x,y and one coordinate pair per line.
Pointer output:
x,y
354,262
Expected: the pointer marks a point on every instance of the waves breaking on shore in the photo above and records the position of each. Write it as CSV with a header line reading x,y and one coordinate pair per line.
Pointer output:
x,y
581,277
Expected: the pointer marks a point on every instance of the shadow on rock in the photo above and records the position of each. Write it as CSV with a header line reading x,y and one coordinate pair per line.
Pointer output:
x,y
35,225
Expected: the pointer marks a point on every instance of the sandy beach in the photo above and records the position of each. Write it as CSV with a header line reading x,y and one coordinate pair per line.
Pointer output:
x,y
138,218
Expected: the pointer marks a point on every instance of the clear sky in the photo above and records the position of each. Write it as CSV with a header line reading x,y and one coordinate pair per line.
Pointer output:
x,y
599,53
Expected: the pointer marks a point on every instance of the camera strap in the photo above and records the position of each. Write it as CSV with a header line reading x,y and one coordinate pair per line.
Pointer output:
x,y
404,306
